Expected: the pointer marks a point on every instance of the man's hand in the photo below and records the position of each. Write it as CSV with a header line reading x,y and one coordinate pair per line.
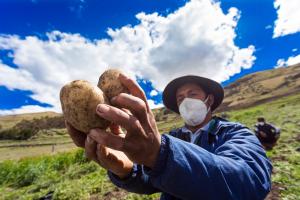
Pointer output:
x,y
142,141
110,159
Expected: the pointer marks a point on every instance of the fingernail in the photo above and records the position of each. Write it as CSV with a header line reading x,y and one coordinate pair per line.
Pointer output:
x,y
91,134
102,108
123,76
89,140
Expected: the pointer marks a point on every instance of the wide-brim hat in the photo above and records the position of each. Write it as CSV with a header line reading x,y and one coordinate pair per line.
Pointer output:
x,y
208,85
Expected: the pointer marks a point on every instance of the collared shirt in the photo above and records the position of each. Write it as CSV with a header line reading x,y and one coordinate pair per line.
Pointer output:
x,y
196,134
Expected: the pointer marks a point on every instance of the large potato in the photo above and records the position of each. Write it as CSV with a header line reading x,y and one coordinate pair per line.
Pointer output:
x,y
79,100
109,83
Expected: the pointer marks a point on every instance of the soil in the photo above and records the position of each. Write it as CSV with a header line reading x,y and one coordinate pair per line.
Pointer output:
x,y
274,194
116,194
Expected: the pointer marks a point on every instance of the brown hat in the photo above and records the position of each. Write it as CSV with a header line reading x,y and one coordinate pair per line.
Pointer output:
x,y
208,85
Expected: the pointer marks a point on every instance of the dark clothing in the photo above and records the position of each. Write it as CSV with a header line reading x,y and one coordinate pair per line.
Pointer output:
x,y
226,162
272,133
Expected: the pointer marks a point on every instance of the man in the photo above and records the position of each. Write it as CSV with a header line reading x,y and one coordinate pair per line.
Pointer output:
x,y
267,133
208,158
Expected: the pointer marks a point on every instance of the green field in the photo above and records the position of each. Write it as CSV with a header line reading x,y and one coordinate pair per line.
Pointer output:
x,y
70,176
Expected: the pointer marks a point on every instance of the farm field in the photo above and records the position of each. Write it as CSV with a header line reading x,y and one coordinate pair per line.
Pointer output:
x,y
35,171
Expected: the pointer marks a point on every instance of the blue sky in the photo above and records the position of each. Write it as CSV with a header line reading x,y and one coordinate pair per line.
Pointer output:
x,y
38,38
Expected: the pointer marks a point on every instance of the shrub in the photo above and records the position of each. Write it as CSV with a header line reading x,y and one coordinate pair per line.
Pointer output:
x,y
26,129
21,131
159,116
24,172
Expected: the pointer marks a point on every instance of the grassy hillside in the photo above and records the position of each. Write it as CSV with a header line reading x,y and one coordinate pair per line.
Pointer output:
x,y
11,120
70,176
286,155
262,87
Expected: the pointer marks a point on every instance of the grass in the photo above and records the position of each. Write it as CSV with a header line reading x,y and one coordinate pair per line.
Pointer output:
x,y
10,120
70,176
285,156
16,153
67,175
44,143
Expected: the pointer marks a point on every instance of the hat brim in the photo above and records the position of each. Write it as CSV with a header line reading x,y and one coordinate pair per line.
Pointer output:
x,y
208,85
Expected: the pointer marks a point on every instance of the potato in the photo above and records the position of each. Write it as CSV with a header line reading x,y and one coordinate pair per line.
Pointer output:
x,y
109,83
79,100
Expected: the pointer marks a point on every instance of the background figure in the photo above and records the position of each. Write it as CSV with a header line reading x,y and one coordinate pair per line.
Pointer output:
x,y
267,133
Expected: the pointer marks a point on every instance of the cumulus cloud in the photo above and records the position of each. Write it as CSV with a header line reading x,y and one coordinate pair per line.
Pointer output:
x,y
196,39
290,61
153,93
288,16
152,104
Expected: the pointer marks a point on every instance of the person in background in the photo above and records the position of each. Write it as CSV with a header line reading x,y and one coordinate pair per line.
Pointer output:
x,y
208,158
267,133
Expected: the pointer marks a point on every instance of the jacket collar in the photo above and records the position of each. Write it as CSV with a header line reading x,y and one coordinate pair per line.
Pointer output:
x,y
205,128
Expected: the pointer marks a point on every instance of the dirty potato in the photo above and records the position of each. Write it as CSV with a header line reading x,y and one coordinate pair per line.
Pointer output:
x,y
109,83
79,100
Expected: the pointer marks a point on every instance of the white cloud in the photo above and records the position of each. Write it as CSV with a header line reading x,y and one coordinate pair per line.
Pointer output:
x,y
294,50
153,93
268,27
196,39
152,104
280,63
290,61
288,16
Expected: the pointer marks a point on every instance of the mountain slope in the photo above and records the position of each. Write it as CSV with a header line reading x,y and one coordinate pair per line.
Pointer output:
x,y
262,87
9,121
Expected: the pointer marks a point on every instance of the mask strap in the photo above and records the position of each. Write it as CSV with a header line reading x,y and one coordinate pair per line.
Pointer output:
x,y
206,101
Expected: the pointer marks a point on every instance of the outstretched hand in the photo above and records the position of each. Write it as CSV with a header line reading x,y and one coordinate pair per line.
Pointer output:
x,y
142,140
110,159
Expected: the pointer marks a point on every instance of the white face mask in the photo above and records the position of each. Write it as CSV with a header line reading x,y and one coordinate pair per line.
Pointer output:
x,y
193,111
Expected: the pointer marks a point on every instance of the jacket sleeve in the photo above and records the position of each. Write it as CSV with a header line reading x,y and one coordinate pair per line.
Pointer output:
x,y
137,181
237,169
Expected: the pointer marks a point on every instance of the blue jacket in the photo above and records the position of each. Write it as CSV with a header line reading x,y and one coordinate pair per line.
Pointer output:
x,y
226,162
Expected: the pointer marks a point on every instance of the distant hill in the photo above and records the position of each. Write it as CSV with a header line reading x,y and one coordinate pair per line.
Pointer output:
x,y
262,87
10,120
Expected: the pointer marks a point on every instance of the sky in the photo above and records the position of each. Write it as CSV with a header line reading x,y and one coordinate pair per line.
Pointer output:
x,y
45,44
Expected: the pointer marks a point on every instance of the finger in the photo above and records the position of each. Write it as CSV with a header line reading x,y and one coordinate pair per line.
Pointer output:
x,y
134,88
102,150
115,129
77,136
126,111
107,139
107,159
90,149
136,106
102,154
117,116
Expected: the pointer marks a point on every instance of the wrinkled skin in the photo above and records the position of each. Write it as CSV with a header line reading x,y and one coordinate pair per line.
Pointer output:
x,y
114,150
